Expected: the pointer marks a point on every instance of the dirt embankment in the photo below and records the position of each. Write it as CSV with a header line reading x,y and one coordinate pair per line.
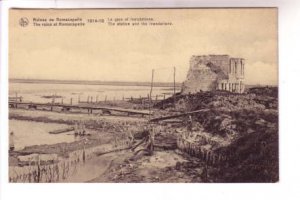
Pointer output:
x,y
249,121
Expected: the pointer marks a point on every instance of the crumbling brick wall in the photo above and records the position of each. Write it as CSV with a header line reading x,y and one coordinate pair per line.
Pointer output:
x,y
212,72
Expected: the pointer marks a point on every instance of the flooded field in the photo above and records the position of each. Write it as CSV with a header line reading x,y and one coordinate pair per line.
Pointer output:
x,y
41,93
28,133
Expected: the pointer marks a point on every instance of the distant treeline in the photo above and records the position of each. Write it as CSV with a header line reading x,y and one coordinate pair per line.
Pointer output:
x,y
82,82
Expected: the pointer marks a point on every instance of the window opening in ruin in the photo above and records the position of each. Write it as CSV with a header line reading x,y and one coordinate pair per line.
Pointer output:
x,y
235,67
242,68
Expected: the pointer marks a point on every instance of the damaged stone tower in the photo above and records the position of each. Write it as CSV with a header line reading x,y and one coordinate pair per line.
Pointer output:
x,y
215,72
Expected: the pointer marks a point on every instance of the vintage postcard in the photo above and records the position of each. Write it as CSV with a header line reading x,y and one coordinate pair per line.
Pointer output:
x,y
143,95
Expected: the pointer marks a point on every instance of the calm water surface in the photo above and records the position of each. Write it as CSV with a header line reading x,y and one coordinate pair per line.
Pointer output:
x,y
35,92
28,133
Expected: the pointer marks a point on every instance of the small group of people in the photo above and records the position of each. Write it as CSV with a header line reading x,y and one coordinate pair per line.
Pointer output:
x,y
79,128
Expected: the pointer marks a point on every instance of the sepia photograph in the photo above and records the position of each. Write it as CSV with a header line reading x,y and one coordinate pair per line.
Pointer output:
x,y
185,95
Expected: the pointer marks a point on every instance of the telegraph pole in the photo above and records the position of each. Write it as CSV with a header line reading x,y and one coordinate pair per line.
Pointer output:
x,y
150,98
174,88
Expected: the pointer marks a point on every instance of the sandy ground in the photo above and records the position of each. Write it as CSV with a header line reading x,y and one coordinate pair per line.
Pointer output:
x,y
162,166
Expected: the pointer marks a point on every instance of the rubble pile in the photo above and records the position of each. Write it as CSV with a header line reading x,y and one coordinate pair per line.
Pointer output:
x,y
264,91
249,122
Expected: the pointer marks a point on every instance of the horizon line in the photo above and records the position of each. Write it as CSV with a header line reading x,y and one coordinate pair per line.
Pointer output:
x,y
94,82
111,82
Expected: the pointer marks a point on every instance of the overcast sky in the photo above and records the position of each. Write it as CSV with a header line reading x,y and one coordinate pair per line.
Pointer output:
x,y
109,53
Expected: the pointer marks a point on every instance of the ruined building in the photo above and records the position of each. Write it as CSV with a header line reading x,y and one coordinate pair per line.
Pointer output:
x,y
215,72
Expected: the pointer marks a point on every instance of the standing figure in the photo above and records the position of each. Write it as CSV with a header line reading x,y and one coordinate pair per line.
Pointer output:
x,y
189,127
82,128
76,128
150,144
11,141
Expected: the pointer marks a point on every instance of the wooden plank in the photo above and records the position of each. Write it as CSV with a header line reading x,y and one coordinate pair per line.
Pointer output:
x,y
62,130
179,115
131,111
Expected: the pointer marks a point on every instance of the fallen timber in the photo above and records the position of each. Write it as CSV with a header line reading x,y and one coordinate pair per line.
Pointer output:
x,y
62,130
89,108
178,115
